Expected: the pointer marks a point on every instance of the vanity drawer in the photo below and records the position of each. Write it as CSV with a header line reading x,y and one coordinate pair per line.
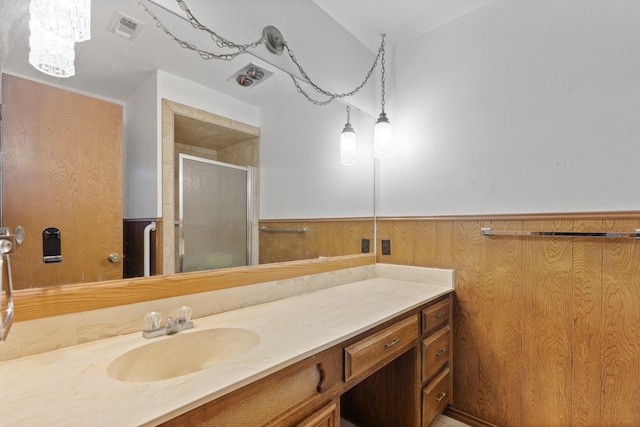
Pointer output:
x,y
435,397
435,316
435,352
380,348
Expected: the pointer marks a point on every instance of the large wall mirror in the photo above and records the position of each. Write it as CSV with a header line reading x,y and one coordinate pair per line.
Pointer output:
x,y
299,181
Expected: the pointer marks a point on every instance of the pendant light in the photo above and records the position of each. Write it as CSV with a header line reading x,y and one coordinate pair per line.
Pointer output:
x,y
382,128
56,25
348,143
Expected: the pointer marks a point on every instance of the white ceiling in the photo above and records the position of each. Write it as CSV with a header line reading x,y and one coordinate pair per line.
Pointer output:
x,y
400,20
112,67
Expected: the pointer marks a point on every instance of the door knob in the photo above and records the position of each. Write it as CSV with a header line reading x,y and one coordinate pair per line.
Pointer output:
x,y
114,257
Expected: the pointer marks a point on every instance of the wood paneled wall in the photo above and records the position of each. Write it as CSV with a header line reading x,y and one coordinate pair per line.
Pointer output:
x,y
324,238
546,329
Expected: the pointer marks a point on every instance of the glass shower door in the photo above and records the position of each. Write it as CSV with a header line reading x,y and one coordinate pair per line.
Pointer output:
x,y
214,214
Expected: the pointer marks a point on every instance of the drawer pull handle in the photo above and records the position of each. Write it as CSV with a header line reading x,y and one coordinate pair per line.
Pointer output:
x,y
441,315
392,343
441,352
442,395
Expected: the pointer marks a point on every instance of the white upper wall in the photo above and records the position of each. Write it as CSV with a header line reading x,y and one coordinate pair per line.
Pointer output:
x,y
140,169
518,107
300,171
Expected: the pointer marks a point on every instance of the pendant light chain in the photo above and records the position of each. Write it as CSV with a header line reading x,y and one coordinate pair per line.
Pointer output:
x,y
382,63
331,96
240,49
306,95
219,41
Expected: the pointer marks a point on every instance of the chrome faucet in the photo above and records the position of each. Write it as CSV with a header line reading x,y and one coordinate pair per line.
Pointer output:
x,y
174,325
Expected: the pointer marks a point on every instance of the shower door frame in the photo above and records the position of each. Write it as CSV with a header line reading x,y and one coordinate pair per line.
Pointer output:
x,y
249,213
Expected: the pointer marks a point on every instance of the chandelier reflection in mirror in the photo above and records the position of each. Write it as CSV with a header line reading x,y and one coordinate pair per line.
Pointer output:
x,y
55,26
275,43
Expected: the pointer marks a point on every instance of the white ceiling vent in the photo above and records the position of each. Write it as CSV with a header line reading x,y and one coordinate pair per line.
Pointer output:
x,y
125,26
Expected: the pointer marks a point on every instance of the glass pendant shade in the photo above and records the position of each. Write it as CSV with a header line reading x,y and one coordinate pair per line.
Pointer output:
x,y
49,53
348,145
382,137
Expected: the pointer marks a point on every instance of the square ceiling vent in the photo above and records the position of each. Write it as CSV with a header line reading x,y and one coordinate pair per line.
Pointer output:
x,y
125,26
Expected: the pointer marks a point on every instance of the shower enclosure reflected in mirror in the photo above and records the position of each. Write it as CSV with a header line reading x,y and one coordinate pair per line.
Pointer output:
x,y
215,210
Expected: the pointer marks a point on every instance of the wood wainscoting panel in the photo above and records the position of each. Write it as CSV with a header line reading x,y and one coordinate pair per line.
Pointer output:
x,y
444,236
399,234
621,329
546,329
323,238
547,322
425,243
497,303
465,251
587,328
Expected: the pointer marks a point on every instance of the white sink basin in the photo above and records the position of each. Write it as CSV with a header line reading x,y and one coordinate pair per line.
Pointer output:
x,y
181,354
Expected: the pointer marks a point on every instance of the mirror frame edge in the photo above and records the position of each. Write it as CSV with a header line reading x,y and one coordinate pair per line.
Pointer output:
x,y
39,303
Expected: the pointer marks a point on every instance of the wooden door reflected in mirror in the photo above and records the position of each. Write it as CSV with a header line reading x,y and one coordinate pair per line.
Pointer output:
x,y
62,168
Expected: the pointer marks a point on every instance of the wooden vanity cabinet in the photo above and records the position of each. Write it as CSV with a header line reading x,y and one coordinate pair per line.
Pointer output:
x,y
414,387
288,397
370,353
437,342
396,374
380,373
329,416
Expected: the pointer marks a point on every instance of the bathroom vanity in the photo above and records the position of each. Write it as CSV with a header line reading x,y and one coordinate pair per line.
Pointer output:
x,y
373,379
376,352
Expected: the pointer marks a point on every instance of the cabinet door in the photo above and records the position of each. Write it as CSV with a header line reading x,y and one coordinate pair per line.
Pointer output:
x,y
435,353
380,348
326,417
436,316
435,397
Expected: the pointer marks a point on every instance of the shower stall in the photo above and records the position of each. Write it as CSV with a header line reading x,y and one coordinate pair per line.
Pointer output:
x,y
214,214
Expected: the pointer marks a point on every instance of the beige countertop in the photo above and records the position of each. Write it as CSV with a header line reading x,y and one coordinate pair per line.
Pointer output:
x,y
70,386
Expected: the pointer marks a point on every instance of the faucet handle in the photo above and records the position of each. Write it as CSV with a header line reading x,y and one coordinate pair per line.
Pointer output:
x,y
152,320
184,314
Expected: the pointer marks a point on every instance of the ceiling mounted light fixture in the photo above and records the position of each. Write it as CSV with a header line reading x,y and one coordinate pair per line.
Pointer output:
x,y
348,143
55,26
